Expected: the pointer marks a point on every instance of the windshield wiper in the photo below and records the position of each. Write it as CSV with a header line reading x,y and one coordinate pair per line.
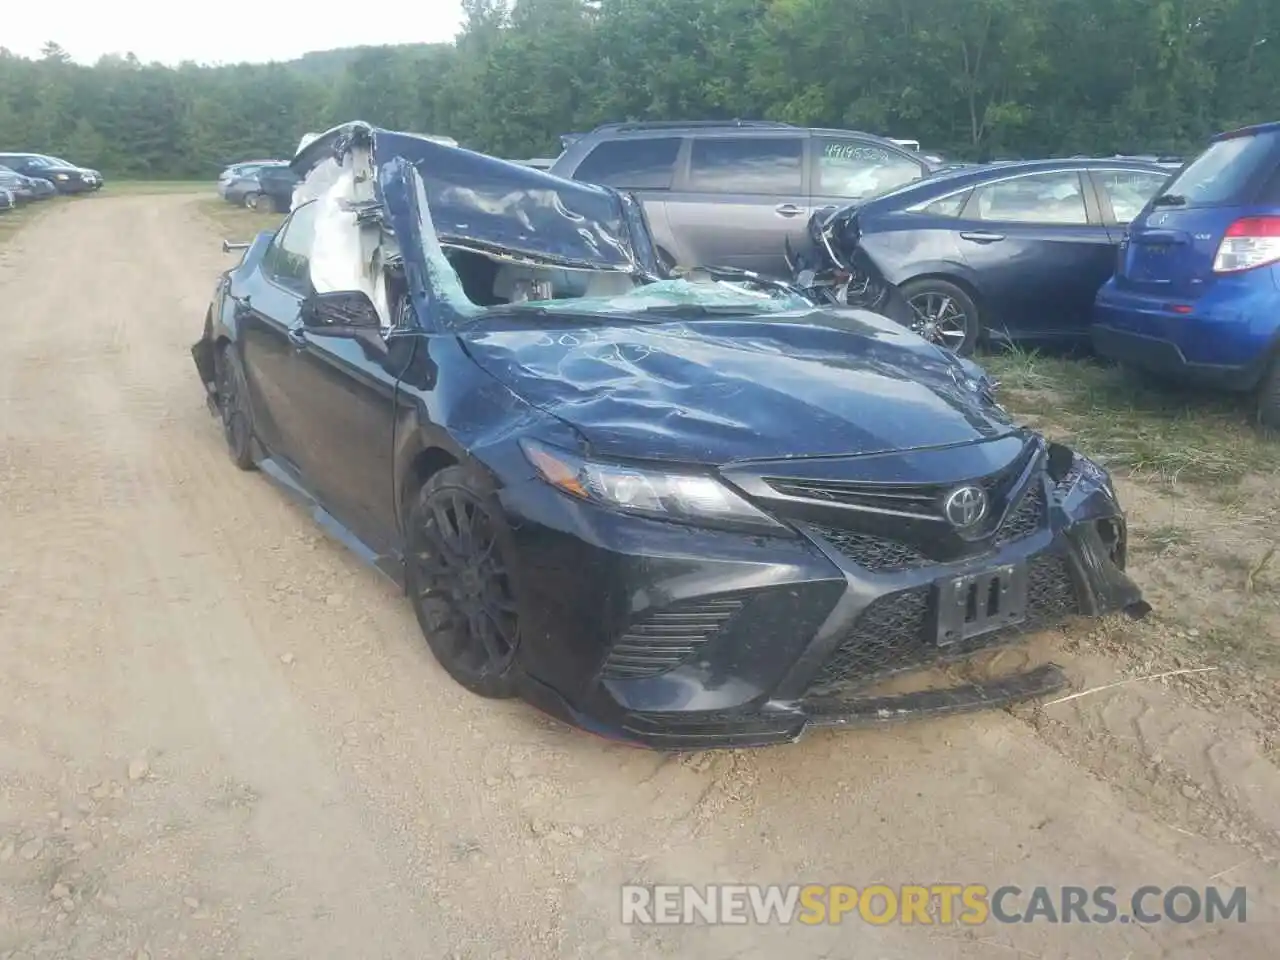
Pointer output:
x,y
688,311
1170,200
559,316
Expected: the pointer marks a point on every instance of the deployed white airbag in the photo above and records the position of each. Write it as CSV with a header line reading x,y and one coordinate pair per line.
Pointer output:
x,y
344,254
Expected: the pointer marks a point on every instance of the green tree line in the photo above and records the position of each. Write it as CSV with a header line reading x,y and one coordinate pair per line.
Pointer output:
x,y
971,78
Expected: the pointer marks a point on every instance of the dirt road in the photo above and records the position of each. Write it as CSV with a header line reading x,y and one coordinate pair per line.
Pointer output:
x,y
221,736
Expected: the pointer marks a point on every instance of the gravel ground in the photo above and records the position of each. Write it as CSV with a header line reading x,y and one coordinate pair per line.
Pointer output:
x,y
221,736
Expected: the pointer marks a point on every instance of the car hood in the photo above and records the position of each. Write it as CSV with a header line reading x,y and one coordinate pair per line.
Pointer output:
x,y
796,384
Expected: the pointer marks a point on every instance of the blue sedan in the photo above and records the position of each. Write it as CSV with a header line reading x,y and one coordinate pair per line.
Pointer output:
x,y
1012,251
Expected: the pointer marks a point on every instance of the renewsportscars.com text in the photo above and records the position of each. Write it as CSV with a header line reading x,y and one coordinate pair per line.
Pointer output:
x,y
925,904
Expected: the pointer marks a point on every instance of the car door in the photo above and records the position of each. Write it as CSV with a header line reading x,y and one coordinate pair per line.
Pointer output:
x,y
1038,250
340,403
267,311
739,198
846,169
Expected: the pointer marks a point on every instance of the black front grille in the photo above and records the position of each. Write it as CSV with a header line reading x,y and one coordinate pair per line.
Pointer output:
x,y
666,638
918,500
912,499
883,554
893,633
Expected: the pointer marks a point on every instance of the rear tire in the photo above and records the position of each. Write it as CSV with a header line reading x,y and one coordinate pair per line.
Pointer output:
x,y
251,200
459,568
1269,398
233,403
946,314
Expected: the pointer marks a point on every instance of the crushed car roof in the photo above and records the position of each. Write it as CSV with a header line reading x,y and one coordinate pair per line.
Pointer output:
x,y
478,199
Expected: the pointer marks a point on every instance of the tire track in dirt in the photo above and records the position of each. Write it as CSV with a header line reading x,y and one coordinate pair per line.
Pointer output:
x,y
348,800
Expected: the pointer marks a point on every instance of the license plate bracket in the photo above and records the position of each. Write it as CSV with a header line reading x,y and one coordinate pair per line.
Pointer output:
x,y
974,604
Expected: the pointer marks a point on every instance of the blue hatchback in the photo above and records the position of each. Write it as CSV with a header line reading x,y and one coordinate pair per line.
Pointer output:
x,y
1196,291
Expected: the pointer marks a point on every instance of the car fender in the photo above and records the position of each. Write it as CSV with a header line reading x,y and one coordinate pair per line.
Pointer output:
x,y
221,323
444,406
899,268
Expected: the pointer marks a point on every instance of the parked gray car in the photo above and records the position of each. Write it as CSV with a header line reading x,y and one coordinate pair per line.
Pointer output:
x,y
244,186
730,193
21,188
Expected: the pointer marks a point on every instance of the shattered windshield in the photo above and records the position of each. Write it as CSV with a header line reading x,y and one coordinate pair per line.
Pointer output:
x,y
583,266
678,298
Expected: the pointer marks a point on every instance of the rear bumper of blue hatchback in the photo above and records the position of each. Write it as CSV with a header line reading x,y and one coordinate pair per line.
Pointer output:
x,y
1225,338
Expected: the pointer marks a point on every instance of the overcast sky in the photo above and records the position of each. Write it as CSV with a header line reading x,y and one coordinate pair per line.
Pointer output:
x,y
224,32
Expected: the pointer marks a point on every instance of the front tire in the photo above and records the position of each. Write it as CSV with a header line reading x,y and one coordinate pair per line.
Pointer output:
x,y
251,200
461,580
233,403
945,314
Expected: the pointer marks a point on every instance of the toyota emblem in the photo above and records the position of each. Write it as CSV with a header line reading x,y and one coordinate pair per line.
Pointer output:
x,y
965,506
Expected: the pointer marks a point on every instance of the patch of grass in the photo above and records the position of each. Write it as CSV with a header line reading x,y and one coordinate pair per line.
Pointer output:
x,y
1148,429
237,223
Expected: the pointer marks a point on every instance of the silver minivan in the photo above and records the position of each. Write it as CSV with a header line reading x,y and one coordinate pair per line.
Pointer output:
x,y
731,193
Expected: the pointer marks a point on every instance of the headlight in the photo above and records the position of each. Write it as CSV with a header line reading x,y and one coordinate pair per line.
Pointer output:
x,y
683,497
60,176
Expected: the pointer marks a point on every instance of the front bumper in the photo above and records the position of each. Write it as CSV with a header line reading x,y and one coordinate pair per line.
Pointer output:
x,y
681,638
73,186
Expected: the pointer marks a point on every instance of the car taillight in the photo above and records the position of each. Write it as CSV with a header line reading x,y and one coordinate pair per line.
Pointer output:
x,y
1249,242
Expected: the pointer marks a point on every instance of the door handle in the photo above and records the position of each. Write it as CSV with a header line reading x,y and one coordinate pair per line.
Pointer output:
x,y
788,210
298,336
981,236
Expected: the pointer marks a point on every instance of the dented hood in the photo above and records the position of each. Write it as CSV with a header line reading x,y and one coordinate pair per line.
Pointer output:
x,y
808,383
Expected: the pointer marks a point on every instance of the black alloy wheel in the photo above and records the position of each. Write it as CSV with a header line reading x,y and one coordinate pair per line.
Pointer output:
x,y
233,404
461,581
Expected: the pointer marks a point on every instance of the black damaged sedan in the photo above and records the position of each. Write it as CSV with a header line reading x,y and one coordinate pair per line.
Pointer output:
x,y
684,512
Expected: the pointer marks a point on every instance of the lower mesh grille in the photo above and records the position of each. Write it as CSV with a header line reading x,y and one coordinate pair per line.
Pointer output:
x,y
894,634
1050,592
873,553
1025,518
666,638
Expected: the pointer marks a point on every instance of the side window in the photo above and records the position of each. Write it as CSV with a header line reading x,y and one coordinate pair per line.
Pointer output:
x,y
1129,190
853,169
288,259
631,164
1050,198
946,206
746,165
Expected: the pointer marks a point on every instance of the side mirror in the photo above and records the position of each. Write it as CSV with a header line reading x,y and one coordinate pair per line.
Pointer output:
x,y
342,310
229,245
